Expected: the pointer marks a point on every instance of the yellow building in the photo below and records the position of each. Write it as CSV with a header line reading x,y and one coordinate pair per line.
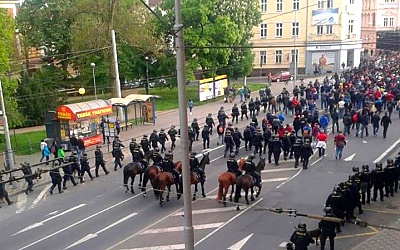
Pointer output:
x,y
325,34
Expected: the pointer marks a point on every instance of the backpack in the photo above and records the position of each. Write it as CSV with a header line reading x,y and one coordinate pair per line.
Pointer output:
x,y
354,118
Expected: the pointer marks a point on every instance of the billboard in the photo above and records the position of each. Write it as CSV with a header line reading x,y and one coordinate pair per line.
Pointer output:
x,y
212,87
323,60
325,17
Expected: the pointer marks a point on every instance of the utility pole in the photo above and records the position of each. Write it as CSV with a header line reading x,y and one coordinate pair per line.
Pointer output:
x,y
295,49
116,72
183,123
9,159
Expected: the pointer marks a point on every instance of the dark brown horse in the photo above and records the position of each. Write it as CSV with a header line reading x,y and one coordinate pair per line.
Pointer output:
x,y
151,172
130,171
246,182
226,180
195,179
162,181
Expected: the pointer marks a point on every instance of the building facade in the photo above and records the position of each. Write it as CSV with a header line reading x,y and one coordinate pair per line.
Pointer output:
x,y
377,15
325,34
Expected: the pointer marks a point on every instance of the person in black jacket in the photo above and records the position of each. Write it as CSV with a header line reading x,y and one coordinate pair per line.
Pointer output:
x,y
99,160
27,171
162,138
210,122
56,178
196,128
385,121
335,121
235,113
257,104
366,185
85,168
3,192
154,139
328,229
237,137
257,140
243,109
301,238
247,136
378,181
172,135
252,107
205,134
229,143
144,142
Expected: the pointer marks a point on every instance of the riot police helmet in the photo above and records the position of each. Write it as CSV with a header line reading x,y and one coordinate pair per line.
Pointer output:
x,y
195,119
167,156
209,114
230,124
235,105
302,227
84,154
232,155
356,169
193,153
228,132
378,165
221,108
251,157
365,168
156,150
173,126
154,131
133,139
144,136
162,130
56,164
389,161
117,136
98,146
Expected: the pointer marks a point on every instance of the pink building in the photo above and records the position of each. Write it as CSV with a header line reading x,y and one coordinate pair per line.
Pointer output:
x,y
377,15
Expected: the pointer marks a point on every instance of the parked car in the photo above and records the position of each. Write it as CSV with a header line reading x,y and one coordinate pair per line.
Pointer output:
x,y
281,76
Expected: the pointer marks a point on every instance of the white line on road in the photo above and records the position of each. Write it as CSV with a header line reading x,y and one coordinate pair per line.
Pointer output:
x,y
209,210
91,236
180,229
21,203
229,221
387,151
350,158
52,213
238,245
278,170
38,224
165,247
40,196
275,179
79,222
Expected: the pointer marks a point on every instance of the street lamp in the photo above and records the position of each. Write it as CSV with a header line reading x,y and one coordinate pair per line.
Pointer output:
x,y
93,65
147,75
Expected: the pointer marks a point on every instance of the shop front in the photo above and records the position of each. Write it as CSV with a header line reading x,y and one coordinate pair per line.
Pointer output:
x,y
80,119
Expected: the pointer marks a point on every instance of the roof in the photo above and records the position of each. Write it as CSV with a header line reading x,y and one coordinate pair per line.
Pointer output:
x,y
83,110
130,99
89,105
142,98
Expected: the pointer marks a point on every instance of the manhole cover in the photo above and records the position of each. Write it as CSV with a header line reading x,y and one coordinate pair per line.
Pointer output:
x,y
275,193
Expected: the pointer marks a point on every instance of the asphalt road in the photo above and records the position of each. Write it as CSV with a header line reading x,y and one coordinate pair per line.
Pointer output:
x,y
100,215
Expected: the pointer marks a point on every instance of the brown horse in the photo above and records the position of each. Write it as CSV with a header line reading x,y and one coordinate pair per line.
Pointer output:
x,y
162,181
151,172
130,171
226,180
195,179
246,182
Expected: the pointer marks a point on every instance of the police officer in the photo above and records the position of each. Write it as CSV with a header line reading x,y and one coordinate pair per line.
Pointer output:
x,y
257,104
243,109
275,148
237,137
297,146
162,138
85,168
195,165
168,166
306,153
235,113
132,146
222,116
56,178
301,238
233,166
336,202
3,192
252,107
99,161
117,153
328,229
172,132
257,142
378,181
68,171
137,154
157,158
247,136
192,138
144,142
390,176
353,186
267,134
365,184
210,122
229,143
154,139
286,145
250,168
348,201
196,128
27,171
205,134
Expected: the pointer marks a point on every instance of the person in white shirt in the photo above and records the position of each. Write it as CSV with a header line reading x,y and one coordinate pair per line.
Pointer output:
x,y
42,145
341,104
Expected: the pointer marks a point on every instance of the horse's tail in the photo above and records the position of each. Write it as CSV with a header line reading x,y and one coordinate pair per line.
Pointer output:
x,y
156,186
126,174
220,191
238,190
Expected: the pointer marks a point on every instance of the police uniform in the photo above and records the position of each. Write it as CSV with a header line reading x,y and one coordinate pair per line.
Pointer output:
x,y
56,178
154,139
233,166
195,165
157,158
297,146
328,229
3,191
132,146
85,168
137,154
172,132
192,137
306,153
222,116
162,138
257,142
117,153
390,176
168,166
252,107
99,161
247,135
237,137
229,143
210,122
235,113
250,168
365,185
68,171
205,134
26,169
144,142
243,109
257,104
378,181
301,238
336,202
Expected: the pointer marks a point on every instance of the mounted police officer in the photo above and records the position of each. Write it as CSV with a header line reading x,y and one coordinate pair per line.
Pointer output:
x,y
3,192
196,128
250,168
162,138
27,171
154,139
172,132
205,134
366,185
144,142
195,166
301,238
378,181
132,146
137,154
168,166
229,143
233,166
99,161
85,167
237,137
56,178
328,229
235,113
157,158
117,153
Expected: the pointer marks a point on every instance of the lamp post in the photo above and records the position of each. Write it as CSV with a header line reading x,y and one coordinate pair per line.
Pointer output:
x,y
295,49
93,65
147,75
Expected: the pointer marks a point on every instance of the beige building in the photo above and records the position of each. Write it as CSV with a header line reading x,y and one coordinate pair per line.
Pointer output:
x,y
324,33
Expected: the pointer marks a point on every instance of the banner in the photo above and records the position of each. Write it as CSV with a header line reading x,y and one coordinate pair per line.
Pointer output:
x,y
323,61
325,17
147,112
212,87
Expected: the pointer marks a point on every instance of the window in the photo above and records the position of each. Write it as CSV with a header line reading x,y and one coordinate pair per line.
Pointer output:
x,y
294,55
278,56
320,4
385,21
391,21
263,58
329,3
351,1
279,5
329,29
278,29
390,1
296,4
351,26
263,30
320,29
295,29
263,5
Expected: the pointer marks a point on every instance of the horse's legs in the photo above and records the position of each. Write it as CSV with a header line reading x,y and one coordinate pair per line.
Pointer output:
x,y
169,191
140,181
232,191
202,190
195,192
132,181
252,194
246,194
161,193
145,180
258,191
226,189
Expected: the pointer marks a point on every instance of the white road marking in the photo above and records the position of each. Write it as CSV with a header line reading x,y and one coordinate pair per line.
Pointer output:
x,y
278,170
91,236
229,221
180,229
40,196
79,222
38,224
350,157
21,203
387,151
52,213
238,245
165,247
275,179
209,210
283,244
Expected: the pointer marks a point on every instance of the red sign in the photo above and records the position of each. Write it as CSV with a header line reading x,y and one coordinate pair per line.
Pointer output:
x,y
64,113
93,140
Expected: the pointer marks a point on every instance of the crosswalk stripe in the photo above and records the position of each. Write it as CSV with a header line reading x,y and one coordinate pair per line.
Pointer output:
x,y
165,247
210,210
180,229
275,179
278,170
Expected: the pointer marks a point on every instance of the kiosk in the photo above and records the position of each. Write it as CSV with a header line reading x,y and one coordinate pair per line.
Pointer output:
x,y
79,119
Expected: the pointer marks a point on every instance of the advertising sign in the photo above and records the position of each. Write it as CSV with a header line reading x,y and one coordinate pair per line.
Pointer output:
x,y
212,87
325,17
324,60
148,112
